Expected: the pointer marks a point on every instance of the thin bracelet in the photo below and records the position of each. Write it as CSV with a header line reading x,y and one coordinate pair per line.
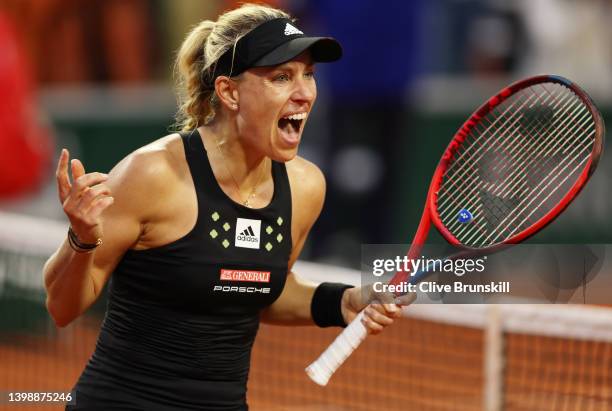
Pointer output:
x,y
80,247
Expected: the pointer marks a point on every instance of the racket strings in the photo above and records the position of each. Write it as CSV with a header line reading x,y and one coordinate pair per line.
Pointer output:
x,y
512,139
554,182
545,201
537,189
516,164
583,120
531,142
472,193
505,230
459,174
501,228
480,136
508,225
456,178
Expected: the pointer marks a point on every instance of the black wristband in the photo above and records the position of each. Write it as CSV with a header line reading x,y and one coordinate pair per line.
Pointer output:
x,y
325,306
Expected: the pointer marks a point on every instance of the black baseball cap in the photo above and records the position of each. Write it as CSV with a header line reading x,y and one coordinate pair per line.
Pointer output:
x,y
271,43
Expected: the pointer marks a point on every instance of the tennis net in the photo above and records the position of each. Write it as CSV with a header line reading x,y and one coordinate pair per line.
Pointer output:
x,y
437,358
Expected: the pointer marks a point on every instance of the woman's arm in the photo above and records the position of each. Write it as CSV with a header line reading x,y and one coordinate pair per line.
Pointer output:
x,y
114,208
293,307
96,209
307,197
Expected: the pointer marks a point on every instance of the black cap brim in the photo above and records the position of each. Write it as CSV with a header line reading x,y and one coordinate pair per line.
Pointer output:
x,y
322,50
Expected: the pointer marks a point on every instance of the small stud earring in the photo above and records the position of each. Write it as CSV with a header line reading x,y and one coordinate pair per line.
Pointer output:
x,y
235,106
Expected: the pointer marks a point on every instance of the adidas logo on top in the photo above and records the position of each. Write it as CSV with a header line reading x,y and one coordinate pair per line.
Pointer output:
x,y
247,233
291,30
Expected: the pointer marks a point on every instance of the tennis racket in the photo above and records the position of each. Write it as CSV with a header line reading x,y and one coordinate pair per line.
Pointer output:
x,y
510,170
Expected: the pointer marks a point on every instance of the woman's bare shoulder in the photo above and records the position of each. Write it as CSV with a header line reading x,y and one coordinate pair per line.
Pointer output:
x,y
152,171
306,178
153,163
307,190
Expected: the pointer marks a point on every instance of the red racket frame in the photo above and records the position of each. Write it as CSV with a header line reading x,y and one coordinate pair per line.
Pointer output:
x,y
430,213
332,358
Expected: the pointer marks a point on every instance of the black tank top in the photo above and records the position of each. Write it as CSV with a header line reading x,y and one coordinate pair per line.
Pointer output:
x,y
181,318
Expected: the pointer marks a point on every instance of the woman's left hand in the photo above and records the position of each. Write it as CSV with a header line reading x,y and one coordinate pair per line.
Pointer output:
x,y
380,309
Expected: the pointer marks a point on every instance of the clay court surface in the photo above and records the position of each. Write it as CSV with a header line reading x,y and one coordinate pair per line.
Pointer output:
x,y
371,380
414,365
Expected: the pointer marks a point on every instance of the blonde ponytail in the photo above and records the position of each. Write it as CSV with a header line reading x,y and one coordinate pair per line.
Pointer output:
x,y
198,54
194,101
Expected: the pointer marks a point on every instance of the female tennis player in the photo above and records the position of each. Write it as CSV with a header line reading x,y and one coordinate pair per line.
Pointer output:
x,y
200,229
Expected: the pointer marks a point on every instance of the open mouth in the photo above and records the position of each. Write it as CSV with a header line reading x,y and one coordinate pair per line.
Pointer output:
x,y
292,124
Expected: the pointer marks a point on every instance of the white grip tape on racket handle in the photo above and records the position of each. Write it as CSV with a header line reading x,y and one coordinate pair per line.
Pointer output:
x,y
321,370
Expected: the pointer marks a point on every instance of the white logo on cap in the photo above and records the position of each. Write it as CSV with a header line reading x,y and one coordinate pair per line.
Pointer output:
x,y
290,30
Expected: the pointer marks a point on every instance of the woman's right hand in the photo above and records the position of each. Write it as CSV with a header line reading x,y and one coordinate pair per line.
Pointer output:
x,y
84,199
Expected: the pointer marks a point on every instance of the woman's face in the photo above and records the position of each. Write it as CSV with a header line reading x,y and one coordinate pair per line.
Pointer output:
x,y
274,103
